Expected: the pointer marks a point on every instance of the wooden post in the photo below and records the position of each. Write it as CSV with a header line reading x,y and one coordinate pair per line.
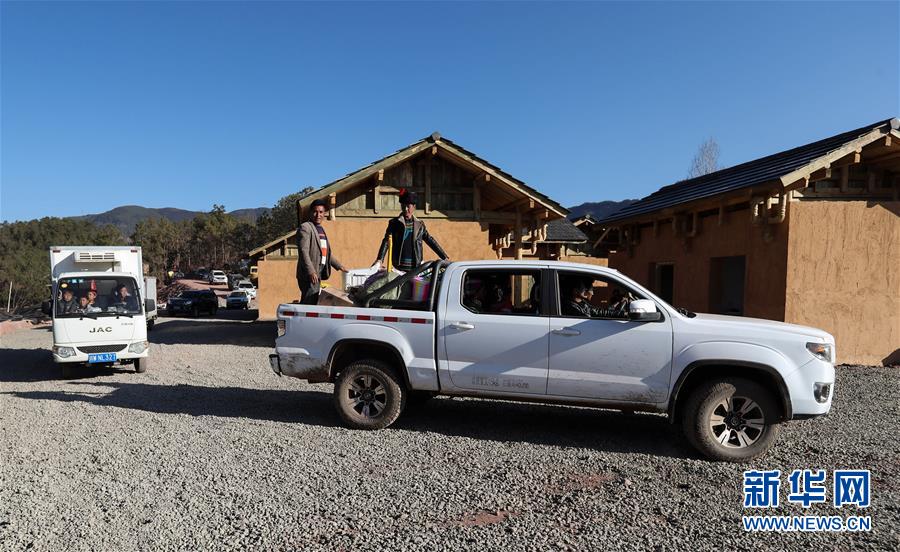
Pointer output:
x,y
9,297
428,185
845,179
518,233
332,203
377,191
476,200
872,177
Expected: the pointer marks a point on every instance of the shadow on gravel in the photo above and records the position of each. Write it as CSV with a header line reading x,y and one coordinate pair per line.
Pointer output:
x,y
484,420
227,402
214,332
24,365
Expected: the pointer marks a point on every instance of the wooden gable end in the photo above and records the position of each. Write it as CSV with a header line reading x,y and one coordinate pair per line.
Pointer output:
x,y
444,189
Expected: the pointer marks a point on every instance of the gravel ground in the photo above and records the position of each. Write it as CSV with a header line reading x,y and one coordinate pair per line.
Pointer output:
x,y
211,450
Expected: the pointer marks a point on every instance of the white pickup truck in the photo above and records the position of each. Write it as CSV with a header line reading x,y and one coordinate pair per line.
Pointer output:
x,y
561,333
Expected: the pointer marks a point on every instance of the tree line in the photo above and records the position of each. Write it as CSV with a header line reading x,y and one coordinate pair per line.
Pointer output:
x,y
213,239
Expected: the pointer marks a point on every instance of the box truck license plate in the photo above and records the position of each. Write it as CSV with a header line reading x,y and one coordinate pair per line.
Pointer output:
x,y
102,357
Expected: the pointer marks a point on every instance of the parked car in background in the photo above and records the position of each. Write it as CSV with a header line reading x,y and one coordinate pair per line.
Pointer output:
x,y
217,277
248,286
194,302
233,280
202,273
237,300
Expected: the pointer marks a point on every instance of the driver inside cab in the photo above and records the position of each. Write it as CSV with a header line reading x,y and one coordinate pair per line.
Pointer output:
x,y
579,302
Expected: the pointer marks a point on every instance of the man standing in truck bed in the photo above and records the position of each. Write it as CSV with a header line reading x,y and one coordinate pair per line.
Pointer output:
x,y
316,258
407,234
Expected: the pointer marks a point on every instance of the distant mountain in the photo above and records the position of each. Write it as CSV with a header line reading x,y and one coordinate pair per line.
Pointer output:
x,y
249,214
125,218
598,209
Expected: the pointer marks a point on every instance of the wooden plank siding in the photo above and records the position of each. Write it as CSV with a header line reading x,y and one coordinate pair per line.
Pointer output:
x,y
450,186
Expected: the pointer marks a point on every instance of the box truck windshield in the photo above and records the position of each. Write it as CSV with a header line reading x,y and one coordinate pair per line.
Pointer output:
x,y
97,296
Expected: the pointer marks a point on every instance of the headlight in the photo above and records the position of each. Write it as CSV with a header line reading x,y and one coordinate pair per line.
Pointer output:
x,y
63,352
138,347
821,351
281,328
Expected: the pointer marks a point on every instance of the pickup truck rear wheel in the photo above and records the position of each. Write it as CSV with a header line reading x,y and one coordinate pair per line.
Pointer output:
x,y
732,420
368,395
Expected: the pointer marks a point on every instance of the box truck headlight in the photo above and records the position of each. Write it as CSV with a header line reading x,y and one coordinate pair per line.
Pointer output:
x,y
138,347
63,352
821,351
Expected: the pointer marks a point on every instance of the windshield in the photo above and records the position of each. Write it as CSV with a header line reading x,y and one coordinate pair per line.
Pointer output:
x,y
97,296
239,294
245,286
190,295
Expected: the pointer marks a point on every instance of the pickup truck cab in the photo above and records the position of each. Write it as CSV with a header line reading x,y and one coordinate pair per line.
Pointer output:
x,y
560,333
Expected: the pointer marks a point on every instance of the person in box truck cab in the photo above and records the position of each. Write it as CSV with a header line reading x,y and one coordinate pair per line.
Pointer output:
x,y
68,303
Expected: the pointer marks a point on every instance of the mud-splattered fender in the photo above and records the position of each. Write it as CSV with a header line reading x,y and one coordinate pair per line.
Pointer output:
x,y
732,353
415,345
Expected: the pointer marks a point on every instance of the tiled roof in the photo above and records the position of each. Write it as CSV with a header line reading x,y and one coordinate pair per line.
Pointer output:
x,y
563,231
744,175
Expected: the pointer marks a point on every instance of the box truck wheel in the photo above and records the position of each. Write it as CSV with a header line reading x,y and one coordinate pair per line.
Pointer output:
x,y
141,364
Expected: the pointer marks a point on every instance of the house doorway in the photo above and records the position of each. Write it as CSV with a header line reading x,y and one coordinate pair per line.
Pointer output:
x,y
726,285
663,281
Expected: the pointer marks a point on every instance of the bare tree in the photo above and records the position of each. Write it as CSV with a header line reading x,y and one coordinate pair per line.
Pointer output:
x,y
706,160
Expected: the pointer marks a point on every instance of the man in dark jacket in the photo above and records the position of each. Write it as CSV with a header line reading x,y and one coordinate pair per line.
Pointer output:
x,y
579,303
316,259
407,233
67,303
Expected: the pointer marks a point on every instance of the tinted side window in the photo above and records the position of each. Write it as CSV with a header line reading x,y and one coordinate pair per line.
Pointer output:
x,y
586,295
505,292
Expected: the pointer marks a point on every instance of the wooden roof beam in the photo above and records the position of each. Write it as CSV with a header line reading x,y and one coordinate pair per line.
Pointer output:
x,y
826,160
823,173
526,202
852,158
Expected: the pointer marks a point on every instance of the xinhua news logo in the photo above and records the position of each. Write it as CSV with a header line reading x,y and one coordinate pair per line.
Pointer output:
x,y
850,488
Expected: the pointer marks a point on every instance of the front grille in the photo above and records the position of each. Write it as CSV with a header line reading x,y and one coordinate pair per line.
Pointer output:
x,y
90,349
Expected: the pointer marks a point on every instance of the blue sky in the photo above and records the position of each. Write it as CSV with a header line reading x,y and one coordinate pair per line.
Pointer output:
x,y
187,104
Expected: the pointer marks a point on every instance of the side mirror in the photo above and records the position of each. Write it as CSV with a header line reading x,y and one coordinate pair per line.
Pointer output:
x,y
47,307
149,305
643,310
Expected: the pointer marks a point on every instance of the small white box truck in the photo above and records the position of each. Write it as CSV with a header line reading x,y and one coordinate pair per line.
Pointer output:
x,y
98,306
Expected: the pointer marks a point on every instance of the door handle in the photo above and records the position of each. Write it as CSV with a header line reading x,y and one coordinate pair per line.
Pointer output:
x,y
568,332
463,326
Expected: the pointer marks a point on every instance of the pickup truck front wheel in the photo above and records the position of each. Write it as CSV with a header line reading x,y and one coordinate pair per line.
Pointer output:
x,y
368,395
732,420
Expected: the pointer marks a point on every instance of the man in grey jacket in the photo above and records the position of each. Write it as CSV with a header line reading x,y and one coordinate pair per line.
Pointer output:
x,y
316,259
